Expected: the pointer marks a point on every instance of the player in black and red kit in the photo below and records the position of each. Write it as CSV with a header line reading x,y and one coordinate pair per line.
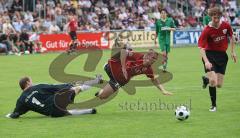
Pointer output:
x,y
125,65
72,27
213,44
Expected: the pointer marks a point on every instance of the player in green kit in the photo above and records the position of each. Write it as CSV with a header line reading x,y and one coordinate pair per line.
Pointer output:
x,y
206,19
164,26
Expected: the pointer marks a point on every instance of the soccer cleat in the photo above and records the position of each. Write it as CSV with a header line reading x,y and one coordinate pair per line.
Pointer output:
x,y
94,111
96,94
99,77
205,82
213,109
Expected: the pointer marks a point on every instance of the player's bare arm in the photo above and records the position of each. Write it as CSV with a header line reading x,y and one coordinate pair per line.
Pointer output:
x,y
233,53
157,83
208,65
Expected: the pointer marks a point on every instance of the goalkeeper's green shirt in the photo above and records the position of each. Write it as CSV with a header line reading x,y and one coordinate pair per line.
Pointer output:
x,y
164,35
206,20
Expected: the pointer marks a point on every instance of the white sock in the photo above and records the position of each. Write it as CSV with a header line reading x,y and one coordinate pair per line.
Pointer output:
x,y
80,112
84,87
91,82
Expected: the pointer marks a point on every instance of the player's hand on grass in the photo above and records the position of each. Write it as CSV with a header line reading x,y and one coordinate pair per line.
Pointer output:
x,y
124,73
208,65
234,57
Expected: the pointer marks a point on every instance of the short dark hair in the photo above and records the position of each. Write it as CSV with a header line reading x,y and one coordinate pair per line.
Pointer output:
x,y
23,82
163,9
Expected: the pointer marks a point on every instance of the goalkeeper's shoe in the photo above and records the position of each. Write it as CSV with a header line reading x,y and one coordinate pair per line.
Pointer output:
x,y
96,94
94,111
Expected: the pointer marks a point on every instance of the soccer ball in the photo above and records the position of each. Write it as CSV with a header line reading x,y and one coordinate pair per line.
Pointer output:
x,y
182,113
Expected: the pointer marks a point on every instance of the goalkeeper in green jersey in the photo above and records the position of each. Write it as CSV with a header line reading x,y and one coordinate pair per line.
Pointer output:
x,y
164,26
206,18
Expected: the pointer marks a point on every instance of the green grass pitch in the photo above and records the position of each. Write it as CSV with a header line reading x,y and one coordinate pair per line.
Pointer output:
x,y
115,119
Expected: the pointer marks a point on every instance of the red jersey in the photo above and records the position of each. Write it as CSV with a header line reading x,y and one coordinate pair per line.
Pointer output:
x,y
73,25
134,66
215,39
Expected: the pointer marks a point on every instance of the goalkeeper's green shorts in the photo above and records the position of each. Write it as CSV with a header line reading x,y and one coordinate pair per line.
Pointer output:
x,y
165,47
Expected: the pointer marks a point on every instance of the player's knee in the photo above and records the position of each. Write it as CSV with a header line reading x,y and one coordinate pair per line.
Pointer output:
x,y
212,82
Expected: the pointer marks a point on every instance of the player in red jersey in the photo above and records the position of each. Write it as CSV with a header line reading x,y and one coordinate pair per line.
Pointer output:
x,y
72,29
213,44
127,64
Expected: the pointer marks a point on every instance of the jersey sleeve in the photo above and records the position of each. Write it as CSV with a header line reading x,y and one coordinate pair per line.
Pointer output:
x,y
173,23
149,73
202,41
19,109
49,88
205,20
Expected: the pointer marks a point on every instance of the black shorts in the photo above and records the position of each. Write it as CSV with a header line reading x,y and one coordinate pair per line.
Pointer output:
x,y
218,60
113,83
61,101
73,35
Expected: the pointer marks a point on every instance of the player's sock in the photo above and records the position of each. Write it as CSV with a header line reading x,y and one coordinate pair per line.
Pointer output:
x,y
81,88
165,66
212,92
84,87
205,81
165,63
97,80
82,111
